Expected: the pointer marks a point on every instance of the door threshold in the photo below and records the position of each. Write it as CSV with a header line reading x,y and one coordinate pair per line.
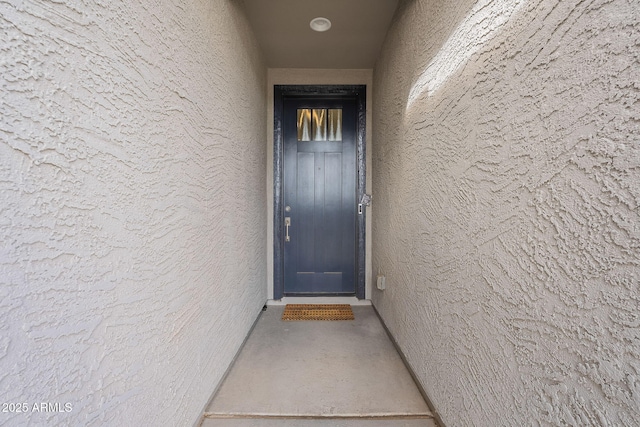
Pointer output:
x,y
319,300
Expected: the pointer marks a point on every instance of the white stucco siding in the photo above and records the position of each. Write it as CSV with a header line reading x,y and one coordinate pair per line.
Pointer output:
x,y
132,206
507,192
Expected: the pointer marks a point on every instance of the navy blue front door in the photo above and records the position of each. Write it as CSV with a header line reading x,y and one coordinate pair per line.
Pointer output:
x,y
320,204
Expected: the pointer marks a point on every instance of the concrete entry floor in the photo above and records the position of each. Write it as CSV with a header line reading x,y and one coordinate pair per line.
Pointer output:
x,y
337,373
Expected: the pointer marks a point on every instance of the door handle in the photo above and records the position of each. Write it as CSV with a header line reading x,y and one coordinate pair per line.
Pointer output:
x,y
287,224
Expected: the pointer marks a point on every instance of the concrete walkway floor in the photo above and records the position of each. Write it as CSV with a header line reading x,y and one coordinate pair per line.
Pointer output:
x,y
318,373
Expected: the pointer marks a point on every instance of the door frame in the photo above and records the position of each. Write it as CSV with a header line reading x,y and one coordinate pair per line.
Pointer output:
x,y
357,92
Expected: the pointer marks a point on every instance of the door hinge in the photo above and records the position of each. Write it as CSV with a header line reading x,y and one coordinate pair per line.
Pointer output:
x,y
364,201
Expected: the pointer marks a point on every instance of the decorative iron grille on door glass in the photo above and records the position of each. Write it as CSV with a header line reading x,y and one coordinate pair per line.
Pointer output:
x,y
320,124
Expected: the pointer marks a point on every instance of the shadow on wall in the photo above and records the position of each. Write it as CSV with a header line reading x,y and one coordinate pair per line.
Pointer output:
x,y
507,187
485,21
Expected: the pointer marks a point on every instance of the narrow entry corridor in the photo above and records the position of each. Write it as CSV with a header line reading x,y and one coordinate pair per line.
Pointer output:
x,y
319,373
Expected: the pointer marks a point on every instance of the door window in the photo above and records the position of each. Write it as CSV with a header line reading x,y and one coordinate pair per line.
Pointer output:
x,y
319,124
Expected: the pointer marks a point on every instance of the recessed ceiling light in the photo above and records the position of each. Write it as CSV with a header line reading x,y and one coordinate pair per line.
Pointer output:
x,y
320,24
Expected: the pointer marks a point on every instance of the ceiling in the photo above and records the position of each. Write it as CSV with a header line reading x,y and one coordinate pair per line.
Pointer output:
x,y
354,40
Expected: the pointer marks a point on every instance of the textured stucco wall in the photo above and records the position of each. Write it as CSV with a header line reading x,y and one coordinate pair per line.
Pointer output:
x,y
506,201
132,206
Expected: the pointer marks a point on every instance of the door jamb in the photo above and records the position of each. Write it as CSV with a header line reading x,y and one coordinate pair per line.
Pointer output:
x,y
280,92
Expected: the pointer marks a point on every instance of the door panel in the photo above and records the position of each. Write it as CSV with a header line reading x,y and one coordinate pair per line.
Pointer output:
x,y
304,214
320,202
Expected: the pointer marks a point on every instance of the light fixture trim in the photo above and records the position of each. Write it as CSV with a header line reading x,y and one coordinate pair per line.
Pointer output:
x,y
320,24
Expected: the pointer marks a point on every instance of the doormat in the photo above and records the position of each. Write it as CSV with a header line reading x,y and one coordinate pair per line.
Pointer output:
x,y
317,312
